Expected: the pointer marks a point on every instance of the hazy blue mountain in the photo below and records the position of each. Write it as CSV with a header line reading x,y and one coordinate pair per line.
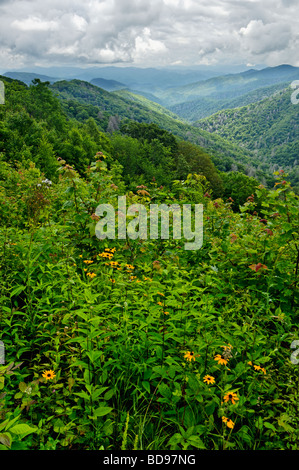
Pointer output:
x,y
203,107
229,86
108,85
27,77
145,79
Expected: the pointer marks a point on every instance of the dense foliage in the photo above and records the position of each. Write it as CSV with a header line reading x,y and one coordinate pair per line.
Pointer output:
x,y
140,343
269,128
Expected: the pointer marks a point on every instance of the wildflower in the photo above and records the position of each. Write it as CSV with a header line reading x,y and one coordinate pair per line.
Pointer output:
x,y
87,261
189,356
114,264
220,359
112,280
160,303
231,396
256,367
105,255
91,275
166,313
49,374
129,266
229,422
209,379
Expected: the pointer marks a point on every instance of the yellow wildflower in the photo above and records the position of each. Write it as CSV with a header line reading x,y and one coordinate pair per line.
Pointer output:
x,y
209,379
189,356
229,422
91,275
49,374
231,396
220,359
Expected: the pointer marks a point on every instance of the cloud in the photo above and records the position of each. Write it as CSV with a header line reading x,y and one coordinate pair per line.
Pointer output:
x,y
33,23
260,38
148,32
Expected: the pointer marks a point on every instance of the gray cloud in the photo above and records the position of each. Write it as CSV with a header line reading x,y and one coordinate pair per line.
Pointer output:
x,y
148,32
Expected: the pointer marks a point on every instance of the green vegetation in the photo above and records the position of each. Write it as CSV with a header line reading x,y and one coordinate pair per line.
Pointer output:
x,y
81,100
268,128
139,344
206,106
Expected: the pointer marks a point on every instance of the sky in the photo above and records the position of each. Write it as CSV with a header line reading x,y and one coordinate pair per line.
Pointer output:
x,y
148,33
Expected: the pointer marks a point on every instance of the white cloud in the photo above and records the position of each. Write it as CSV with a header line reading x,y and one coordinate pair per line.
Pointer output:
x,y
260,38
146,46
33,23
148,32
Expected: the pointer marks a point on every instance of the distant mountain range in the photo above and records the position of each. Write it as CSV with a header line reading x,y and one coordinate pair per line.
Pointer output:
x,y
222,91
27,77
108,85
244,118
144,79
192,94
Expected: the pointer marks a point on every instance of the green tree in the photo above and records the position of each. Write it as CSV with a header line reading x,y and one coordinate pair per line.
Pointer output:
x,y
238,187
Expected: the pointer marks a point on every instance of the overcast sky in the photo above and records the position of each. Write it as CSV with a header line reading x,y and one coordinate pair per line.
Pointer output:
x,y
148,32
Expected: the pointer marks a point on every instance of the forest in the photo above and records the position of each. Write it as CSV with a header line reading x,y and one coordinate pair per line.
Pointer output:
x,y
139,344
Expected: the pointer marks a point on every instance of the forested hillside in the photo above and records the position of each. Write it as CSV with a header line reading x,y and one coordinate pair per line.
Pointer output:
x,y
138,343
269,128
193,110
230,86
81,99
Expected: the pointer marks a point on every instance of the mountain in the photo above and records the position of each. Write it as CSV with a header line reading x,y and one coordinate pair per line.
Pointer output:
x,y
268,128
203,107
27,77
81,100
108,85
228,87
141,79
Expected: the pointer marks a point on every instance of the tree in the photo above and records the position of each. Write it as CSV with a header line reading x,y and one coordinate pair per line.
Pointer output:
x,y
238,187
199,162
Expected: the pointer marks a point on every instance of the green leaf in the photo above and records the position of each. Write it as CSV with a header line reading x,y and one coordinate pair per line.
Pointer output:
x,y
22,429
269,426
82,395
102,411
195,441
146,385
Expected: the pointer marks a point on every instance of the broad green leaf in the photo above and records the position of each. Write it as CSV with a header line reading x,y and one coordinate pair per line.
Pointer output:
x,y
102,411
22,429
